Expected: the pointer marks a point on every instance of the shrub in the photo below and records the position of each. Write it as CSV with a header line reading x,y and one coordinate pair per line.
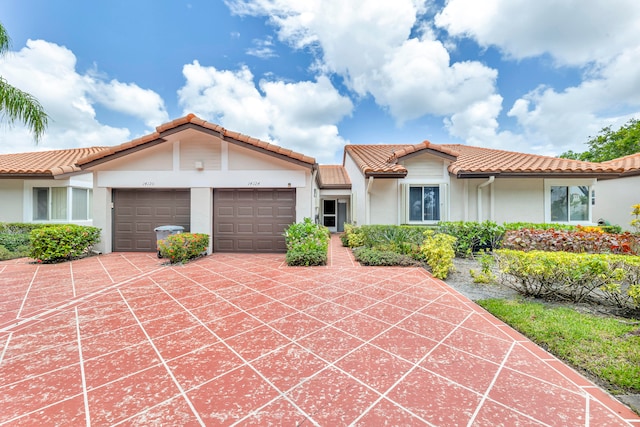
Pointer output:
x,y
438,251
12,241
352,236
472,236
5,253
635,222
63,242
307,243
374,257
485,275
576,241
183,246
614,279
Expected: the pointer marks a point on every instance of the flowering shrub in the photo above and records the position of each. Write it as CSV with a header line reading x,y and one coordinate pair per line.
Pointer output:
x,y
183,247
63,242
307,243
614,279
582,240
439,253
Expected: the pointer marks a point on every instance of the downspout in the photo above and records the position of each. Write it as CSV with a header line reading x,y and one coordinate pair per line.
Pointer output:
x,y
367,204
315,195
484,184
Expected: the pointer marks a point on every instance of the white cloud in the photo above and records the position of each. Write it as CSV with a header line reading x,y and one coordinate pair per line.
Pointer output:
x,y
564,120
48,72
274,111
372,48
573,32
262,49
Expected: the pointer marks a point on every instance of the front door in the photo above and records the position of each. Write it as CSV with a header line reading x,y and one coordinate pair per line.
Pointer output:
x,y
329,219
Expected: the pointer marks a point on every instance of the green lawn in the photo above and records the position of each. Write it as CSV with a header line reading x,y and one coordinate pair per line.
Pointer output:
x,y
606,347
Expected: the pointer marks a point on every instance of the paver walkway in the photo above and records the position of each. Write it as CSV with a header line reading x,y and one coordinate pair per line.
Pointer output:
x,y
120,339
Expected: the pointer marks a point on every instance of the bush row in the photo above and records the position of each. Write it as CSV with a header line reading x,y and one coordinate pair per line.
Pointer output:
x,y
178,248
613,279
307,243
401,245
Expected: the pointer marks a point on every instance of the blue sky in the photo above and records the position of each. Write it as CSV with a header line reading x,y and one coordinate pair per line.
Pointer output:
x,y
313,75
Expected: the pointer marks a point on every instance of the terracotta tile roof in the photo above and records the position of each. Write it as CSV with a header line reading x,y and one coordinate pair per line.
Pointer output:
x,y
630,164
382,160
44,164
478,160
166,129
373,160
333,176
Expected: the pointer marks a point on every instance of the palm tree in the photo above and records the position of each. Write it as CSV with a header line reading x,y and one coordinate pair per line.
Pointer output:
x,y
18,105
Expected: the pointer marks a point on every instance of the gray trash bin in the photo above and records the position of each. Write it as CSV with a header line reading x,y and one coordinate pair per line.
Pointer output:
x,y
164,231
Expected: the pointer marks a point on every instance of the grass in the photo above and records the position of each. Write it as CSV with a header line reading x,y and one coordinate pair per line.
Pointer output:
x,y
601,346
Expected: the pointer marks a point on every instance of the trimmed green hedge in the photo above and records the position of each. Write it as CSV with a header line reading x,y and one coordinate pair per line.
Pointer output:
x,y
56,243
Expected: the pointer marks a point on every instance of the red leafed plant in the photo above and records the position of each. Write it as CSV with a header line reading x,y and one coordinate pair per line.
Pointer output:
x,y
580,241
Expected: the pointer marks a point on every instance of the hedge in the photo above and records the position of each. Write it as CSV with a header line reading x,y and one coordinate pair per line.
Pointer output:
x,y
604,278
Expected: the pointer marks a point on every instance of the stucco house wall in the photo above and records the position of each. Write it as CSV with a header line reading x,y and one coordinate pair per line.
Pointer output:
x,y
11,194
358,192
614,198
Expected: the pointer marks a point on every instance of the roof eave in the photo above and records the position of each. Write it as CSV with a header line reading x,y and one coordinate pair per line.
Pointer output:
x,y
385,175
528,174
119,154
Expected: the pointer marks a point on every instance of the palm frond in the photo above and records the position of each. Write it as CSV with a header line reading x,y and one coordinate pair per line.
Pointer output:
x,y
18,105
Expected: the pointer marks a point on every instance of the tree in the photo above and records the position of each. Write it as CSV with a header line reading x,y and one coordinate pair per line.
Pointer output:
x,y
18,105
609,144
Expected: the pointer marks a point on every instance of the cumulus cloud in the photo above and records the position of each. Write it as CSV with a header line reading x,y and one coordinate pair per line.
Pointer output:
x,y
274,111
374,49
48,72
573,32
558,119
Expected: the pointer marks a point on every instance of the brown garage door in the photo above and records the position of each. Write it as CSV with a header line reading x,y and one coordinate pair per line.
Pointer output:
x,y
137,212
252,220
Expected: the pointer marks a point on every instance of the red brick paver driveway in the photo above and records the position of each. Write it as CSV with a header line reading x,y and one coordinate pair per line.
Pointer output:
x,y
121,339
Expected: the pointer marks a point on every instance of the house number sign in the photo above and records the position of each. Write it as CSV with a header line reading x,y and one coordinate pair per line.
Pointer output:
x,y
148,184
253,183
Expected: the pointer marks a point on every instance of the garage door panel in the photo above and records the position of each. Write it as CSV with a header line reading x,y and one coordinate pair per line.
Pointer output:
x,y
252,220
245,211
137,212
245,228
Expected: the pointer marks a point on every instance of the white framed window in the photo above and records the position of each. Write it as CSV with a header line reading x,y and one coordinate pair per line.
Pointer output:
x,y
62,203
425,203
568,201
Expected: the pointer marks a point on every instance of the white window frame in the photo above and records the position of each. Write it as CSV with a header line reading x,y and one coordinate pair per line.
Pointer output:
x,y
68,217
444,201
548,183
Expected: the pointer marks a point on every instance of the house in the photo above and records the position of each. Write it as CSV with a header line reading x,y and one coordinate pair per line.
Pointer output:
x,y
244,192
192,173
427,183
46,186
616,196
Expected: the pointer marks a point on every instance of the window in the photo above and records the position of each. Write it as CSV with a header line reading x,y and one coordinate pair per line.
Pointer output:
x,y
569,203
424,203
81,202
51,204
